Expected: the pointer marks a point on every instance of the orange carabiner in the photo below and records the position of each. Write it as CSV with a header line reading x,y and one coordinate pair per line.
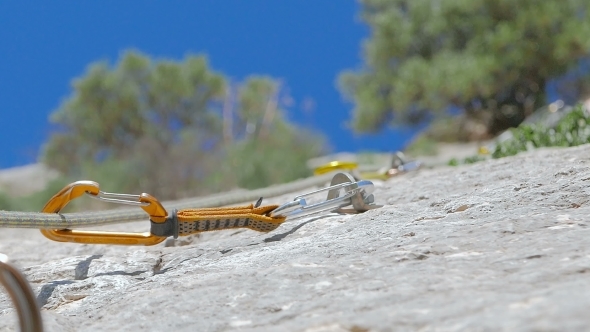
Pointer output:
x,y
74,190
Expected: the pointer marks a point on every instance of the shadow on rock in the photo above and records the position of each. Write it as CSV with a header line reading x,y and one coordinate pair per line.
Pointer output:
x,y
81,271
47,290
120,273
279,237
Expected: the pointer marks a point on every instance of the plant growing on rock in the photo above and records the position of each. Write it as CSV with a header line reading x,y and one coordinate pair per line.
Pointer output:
x,y
572,130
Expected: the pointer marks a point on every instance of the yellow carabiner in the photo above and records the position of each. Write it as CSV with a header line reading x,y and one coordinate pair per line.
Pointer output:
x,y
335,166
74,190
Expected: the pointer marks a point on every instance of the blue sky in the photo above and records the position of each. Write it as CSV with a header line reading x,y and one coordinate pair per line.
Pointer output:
x,y
45,44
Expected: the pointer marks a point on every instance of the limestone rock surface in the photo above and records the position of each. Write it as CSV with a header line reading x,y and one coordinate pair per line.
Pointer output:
x,y
498,245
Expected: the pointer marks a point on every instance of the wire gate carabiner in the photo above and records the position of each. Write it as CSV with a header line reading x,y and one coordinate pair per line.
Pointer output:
x,y
74,190
22,296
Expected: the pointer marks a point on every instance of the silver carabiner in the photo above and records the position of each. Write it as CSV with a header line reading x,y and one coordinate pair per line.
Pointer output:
x,y
22,296
356,193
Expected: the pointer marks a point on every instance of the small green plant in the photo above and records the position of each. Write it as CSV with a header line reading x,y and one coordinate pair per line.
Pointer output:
x,y
474,159
453,162
572,130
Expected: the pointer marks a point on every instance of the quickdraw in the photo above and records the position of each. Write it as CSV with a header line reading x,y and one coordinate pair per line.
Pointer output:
x,y
343,191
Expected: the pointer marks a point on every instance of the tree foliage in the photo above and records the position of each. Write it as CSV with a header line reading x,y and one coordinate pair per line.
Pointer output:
x,y
271,145
491,58
173,128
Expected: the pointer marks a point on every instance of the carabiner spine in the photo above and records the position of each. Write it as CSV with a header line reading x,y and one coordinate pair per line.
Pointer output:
x,y
97,237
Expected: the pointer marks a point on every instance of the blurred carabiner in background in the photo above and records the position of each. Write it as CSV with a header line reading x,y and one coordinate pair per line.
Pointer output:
x,y
23,298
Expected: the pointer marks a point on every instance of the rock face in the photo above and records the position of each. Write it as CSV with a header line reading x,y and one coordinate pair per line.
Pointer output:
x,y
499,245
25,180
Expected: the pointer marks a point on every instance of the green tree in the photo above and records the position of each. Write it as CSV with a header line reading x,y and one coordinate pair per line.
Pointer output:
x,y
126,124
491,58
272,150
170,128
